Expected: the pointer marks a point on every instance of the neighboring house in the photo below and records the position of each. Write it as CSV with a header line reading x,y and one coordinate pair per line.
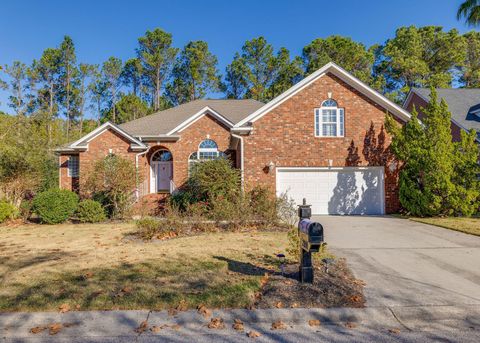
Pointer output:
x,y
323,140
463,103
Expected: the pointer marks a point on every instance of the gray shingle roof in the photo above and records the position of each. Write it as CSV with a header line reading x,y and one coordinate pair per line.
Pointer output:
x,y
461,103
160,123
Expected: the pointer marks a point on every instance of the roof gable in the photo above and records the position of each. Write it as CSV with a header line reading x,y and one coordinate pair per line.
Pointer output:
x,y
82,143
341,74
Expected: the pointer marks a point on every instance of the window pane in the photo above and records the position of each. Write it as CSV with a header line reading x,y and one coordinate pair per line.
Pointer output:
x,y
329,130
208,144
329,103
329,116
341,121
208,155
317,122
73,166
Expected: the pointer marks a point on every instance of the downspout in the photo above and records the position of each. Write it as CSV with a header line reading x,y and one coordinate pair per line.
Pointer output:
x,y
137,195
241,158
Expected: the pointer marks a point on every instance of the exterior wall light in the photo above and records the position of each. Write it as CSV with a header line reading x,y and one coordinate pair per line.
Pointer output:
x,y
271,167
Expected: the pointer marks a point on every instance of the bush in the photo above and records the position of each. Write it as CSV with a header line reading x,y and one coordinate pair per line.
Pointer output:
x,y
7,211
26,209
148,227
90,211
55,205
263,203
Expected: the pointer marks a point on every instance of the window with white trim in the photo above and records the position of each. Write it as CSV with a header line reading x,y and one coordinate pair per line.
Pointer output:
x,y
73,166
329,120
207,150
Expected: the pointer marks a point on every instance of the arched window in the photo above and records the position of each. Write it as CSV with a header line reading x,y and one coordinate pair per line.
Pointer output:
x,y
207,150
329,120
162,155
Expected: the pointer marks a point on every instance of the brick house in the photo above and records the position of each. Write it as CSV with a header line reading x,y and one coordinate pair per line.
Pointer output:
x,y
463,103
323,140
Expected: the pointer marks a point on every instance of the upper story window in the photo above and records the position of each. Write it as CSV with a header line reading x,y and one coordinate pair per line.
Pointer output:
x,y
73,166
329,120
207,150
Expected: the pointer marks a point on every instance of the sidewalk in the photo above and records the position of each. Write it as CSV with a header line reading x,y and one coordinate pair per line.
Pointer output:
x,y
380,324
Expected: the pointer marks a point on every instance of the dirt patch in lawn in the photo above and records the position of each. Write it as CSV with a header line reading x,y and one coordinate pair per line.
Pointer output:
x,y
335,287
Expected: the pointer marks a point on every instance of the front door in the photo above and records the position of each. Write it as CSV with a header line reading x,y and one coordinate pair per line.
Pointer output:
x,y
163,175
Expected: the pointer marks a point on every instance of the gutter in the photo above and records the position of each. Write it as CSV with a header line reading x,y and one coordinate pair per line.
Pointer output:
x,y
241,158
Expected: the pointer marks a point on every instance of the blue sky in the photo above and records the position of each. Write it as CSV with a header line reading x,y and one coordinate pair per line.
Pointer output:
x,y
104,28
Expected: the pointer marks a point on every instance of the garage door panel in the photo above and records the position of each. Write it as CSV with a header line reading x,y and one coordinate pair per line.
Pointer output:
x,y
338,191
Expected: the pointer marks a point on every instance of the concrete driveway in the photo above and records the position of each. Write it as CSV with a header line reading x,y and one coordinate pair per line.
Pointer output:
x,y
405,263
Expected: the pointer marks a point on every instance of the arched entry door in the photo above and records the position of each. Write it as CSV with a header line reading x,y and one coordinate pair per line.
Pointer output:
x,y
161,171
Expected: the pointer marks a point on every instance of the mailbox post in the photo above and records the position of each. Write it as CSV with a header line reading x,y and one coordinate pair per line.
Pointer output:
x,y
311,239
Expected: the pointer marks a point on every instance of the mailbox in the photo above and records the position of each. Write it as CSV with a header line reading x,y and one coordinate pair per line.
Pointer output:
x,y
311,235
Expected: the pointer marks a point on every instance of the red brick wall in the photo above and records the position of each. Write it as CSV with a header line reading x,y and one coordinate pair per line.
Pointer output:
x,y
419,103
285,136
191,137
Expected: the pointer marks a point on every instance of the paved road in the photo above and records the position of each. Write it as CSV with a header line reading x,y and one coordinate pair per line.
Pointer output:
x,y
405,263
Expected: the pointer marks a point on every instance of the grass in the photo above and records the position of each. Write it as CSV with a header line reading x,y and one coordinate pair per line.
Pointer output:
x,y
95,267
466,225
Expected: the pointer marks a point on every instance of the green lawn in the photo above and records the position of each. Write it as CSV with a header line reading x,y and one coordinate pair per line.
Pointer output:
x,y
467,225
94,267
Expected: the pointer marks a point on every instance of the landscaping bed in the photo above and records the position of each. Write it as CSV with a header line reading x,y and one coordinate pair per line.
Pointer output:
x,y
71,267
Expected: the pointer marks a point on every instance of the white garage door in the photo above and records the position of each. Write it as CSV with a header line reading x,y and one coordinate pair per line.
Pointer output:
x,y
348,190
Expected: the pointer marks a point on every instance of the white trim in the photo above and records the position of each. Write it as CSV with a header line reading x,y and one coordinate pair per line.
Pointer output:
x,y
342,74
321,122
241,159
197,116
99,130
358,168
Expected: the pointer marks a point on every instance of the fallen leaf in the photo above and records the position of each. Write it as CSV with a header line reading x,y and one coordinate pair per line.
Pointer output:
x,y
182,306
143,326
350,325
156,329
279,304
254,334
279,325
359,282
126,290
54,328
175,327
172,312
288,282
314,322
87,275
395,331
37,329
216,323
77,306
355,298
294,305
204,311
238,325
64,308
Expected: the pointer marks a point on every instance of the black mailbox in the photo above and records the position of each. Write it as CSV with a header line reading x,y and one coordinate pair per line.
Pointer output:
x,y
311,235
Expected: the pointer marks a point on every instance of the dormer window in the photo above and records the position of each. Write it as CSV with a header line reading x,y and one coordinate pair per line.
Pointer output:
x,y
329,120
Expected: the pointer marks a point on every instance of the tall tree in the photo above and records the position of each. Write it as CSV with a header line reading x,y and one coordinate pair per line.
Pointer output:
x,y
287,73
470,70
419,57
85,75
98,91
132,74
129,107
195,73
350,55
47,71
18,87
157,55
112,72
470,10
236,83
68,79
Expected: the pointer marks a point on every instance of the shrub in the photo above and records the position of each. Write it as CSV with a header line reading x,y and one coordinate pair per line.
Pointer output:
x,y
263,203
183,198
90,211
7,211
114,178
148,227
55,205
26,209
